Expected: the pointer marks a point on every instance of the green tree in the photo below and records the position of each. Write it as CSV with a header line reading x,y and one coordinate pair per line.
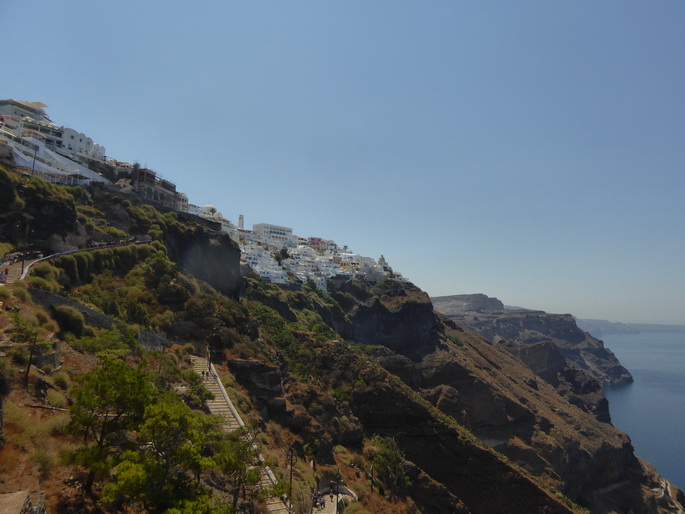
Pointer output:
x,y
196,392
109,401
388,463
118,341
236,459
165,470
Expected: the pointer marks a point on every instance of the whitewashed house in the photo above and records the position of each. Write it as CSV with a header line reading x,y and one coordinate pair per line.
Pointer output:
x,y
46,148
274,236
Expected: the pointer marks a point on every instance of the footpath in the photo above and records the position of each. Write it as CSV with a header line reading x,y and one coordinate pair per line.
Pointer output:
x,y
222,406
15,270
18,270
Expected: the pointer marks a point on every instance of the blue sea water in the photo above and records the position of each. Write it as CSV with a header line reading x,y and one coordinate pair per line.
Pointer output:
x,y
652,409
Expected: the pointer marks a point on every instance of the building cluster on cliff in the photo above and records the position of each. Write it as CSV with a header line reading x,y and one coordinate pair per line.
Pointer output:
x,y
61,155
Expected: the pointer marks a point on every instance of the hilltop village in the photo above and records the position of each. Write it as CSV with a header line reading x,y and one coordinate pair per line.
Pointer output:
x,y
30,140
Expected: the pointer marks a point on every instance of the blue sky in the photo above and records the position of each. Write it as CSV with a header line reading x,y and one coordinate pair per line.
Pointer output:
x,y
528,150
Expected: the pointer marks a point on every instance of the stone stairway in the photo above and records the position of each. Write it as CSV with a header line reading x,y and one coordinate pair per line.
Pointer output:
x,y
220,407
15,271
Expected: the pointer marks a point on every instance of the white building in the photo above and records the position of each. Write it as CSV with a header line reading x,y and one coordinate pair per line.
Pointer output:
x,y
263,263
80,144
274,236
314,259
194,209
37,143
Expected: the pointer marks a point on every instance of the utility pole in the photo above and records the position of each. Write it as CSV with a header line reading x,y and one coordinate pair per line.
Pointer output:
x,y
290,489
28,368
337,491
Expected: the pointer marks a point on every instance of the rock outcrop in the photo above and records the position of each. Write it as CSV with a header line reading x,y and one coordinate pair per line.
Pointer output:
x,y
392,314
560,435
210,256
579,348
35,212
468,303
407,372
577,387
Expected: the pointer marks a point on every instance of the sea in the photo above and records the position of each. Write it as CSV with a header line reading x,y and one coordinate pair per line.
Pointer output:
x,y
651,410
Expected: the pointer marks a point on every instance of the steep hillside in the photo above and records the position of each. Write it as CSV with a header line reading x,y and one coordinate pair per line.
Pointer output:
x,y
366,384
505,404
528,327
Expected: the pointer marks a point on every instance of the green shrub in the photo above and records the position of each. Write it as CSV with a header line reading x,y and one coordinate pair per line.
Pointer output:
x,y
69,319
44,270
89,210
228,381
56,399
20,291
61,380
42,317
115,232
51,327
45,462
114,340
68,264
19,355
5,248
45,285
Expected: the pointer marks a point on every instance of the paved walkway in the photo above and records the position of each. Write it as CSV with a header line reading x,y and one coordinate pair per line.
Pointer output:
x,y
17,267
221,407
329,506
15,270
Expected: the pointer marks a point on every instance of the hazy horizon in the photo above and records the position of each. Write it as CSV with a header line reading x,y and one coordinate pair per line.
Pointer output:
x,y
530,151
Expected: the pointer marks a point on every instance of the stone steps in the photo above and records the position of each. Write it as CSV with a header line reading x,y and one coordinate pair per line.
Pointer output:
x,y
15,271
220,407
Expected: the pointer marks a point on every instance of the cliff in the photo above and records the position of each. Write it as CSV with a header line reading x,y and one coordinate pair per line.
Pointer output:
x,y
210,256
599,327
579,348
460,303
49,218
480,427
545,416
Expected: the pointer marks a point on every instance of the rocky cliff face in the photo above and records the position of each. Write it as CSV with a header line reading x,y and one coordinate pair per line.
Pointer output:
x,y
395,315
521,326
468,303
33,212
415,374
561,437
577,387
210,256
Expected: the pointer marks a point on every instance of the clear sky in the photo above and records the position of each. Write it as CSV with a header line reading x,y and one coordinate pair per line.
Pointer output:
x,y
530,150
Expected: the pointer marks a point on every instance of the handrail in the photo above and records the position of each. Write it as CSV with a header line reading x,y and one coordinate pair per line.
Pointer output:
x,y
225,395
69,252
269,473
